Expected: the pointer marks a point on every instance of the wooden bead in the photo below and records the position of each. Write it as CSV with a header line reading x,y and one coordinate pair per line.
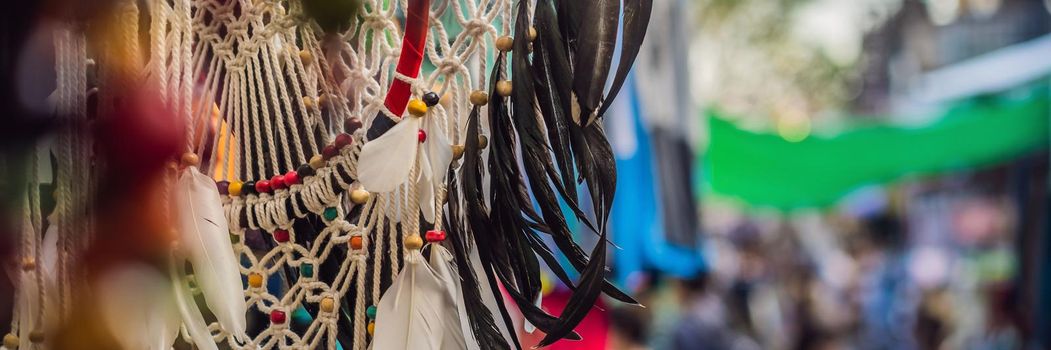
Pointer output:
x,y
431,99
413,242
350,125
223,187
255,280
371,328
317,161
10,341
278,317
417,108
329,151
262,186
330,213
532,33
235,188
309,102
479,97
278,182
356,242
28,264
190,159
36,336
503,88
291,178
328,304
304,171
483,141
306,56
458,151
360,196
434,236
343,140
281,236
505,43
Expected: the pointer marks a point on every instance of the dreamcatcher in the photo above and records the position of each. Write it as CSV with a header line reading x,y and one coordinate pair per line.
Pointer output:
x,y
369,173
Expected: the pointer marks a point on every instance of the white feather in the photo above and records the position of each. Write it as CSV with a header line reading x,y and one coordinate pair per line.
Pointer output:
x,y
458,333
137,304
206,237
411,313
384,163
434,165
191,315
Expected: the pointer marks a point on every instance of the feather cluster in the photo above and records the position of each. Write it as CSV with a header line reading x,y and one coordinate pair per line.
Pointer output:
x,y
546,140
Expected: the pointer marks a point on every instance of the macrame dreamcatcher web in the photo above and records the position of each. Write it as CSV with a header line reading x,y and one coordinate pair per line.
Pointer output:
x,y
332,193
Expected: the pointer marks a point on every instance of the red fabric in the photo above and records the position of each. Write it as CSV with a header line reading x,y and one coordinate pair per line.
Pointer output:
x,y
411,58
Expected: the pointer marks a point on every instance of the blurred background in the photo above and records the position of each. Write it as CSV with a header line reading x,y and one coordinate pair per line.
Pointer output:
x,y
805,174
825,174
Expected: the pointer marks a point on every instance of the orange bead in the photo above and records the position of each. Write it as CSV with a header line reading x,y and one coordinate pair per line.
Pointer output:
x,y
372,328
356,242
255,280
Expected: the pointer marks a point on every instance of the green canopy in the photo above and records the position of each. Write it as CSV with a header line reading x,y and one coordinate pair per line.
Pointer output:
x,y
764,169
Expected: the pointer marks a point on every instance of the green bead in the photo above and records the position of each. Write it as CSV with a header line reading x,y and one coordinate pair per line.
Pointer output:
x,y
331,213
370,312
306,270
234,239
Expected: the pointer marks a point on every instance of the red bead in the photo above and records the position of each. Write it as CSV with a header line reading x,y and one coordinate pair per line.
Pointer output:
x,y
421,135
329,151
343,140
291,178
435,236
281,236
278,182
262,186
350,125
278,317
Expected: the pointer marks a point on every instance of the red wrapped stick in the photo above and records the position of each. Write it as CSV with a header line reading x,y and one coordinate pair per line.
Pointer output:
x,y
411,58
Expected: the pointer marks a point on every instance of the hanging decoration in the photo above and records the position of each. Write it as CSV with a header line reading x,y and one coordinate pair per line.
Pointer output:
x,y
328,193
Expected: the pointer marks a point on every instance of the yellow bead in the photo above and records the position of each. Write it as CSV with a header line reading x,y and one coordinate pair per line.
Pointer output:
x,y
321,99
328,304
413,242
505,43
503,88
457,151
483,141
371,328
479,97
11,341
317,161
190,159
235,188
306,56
255,280
28,264
36,336
360,196
417,108
532,33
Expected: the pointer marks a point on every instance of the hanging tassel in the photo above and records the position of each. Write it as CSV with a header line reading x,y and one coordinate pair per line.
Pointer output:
x,y
458,333
138,308
412,312
205,237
